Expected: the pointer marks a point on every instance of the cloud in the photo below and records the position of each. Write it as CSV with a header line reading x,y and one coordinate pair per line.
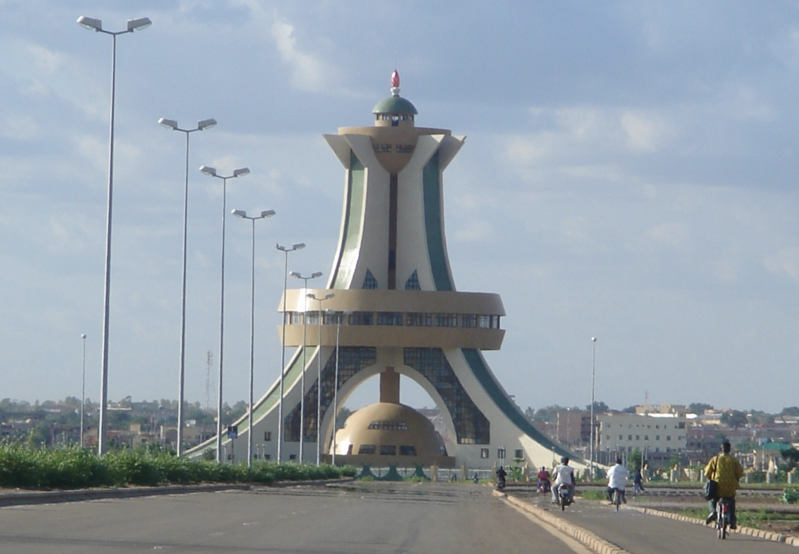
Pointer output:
x,y
786,261
306,70
675,235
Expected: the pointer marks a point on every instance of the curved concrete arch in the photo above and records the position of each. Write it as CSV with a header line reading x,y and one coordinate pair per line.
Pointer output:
x,y
373,370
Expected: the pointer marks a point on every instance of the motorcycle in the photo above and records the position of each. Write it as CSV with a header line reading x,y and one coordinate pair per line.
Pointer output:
x,y
544,486
565,497
500,482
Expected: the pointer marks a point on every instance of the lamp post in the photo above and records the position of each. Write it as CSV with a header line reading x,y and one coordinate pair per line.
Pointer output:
x,y
319,379
236,173
83,389
97,26
242,214
338,316
593,377
201,126
285,250
302,375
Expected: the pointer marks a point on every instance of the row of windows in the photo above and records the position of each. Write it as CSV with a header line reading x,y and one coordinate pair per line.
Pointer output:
x,y
389,425
399,319
518,454
680,425
387,449
646,437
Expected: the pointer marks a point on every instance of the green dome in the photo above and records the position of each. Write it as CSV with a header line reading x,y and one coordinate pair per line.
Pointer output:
x,y
395,105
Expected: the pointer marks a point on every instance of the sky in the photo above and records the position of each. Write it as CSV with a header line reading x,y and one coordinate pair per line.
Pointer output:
x,y
629,174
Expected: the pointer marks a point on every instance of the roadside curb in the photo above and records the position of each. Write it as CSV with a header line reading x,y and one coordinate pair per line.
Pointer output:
x,y
22,498
586,538
751,531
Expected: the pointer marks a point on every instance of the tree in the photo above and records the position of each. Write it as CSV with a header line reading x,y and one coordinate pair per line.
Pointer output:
x,y
635,460
791,411
699,408
734,418
341,419
599,407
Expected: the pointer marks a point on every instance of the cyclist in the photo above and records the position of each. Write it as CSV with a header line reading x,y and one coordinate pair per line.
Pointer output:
x,y
564,477
617,479
726,471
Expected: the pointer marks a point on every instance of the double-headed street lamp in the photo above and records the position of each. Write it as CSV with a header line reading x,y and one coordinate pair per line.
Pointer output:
x,y
241,172
285,250
97,25
319,379
302,378
201,126
242,214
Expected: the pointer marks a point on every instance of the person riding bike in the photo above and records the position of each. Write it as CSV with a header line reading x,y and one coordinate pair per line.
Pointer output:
x,y
564,477
543,480
726,471
617,479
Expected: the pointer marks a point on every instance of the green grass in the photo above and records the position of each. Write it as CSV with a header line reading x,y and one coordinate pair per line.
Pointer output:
x,y
76,468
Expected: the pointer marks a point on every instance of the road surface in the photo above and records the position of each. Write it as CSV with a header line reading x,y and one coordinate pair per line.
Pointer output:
x,y
374,518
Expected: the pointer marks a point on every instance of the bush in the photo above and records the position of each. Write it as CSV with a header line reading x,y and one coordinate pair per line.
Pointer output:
x,y
74,467
790,496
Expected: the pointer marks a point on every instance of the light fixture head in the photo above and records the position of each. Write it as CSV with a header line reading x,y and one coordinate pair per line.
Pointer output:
x,y
239,213
311,296
593,339
168,123
83,335
295,274
298,246
268,213
90,23
208,170
206,124
329,296
316,274
139,24
241,172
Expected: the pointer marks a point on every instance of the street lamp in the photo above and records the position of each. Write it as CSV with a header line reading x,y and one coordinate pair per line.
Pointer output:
x,y
338,316
97,26
241,172
593,377
242,214
285,250
83,389
201,126
302,378
319,379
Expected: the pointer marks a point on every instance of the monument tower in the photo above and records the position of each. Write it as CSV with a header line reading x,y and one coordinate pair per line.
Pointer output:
x,y
402,315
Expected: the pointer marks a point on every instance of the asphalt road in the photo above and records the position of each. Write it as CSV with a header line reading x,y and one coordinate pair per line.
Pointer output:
x,y
373,518
639,533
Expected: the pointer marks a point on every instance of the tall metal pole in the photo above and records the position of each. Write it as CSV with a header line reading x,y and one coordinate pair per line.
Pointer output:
x,y
319,381
83,390
298,246
201,125
302,375
236,173
593,379
243,215
96,25
335,385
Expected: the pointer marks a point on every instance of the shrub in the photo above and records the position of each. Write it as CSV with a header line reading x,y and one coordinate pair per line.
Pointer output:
x,y
790,496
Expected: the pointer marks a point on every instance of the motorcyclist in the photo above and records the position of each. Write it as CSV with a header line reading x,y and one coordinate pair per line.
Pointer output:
x,y
617,479
726,471
564,477
543,480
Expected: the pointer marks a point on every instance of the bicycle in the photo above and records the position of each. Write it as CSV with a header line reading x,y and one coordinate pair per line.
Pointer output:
x,y
616,498
723,517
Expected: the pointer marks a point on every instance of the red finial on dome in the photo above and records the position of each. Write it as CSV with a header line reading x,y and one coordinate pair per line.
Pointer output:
x,y
395,81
